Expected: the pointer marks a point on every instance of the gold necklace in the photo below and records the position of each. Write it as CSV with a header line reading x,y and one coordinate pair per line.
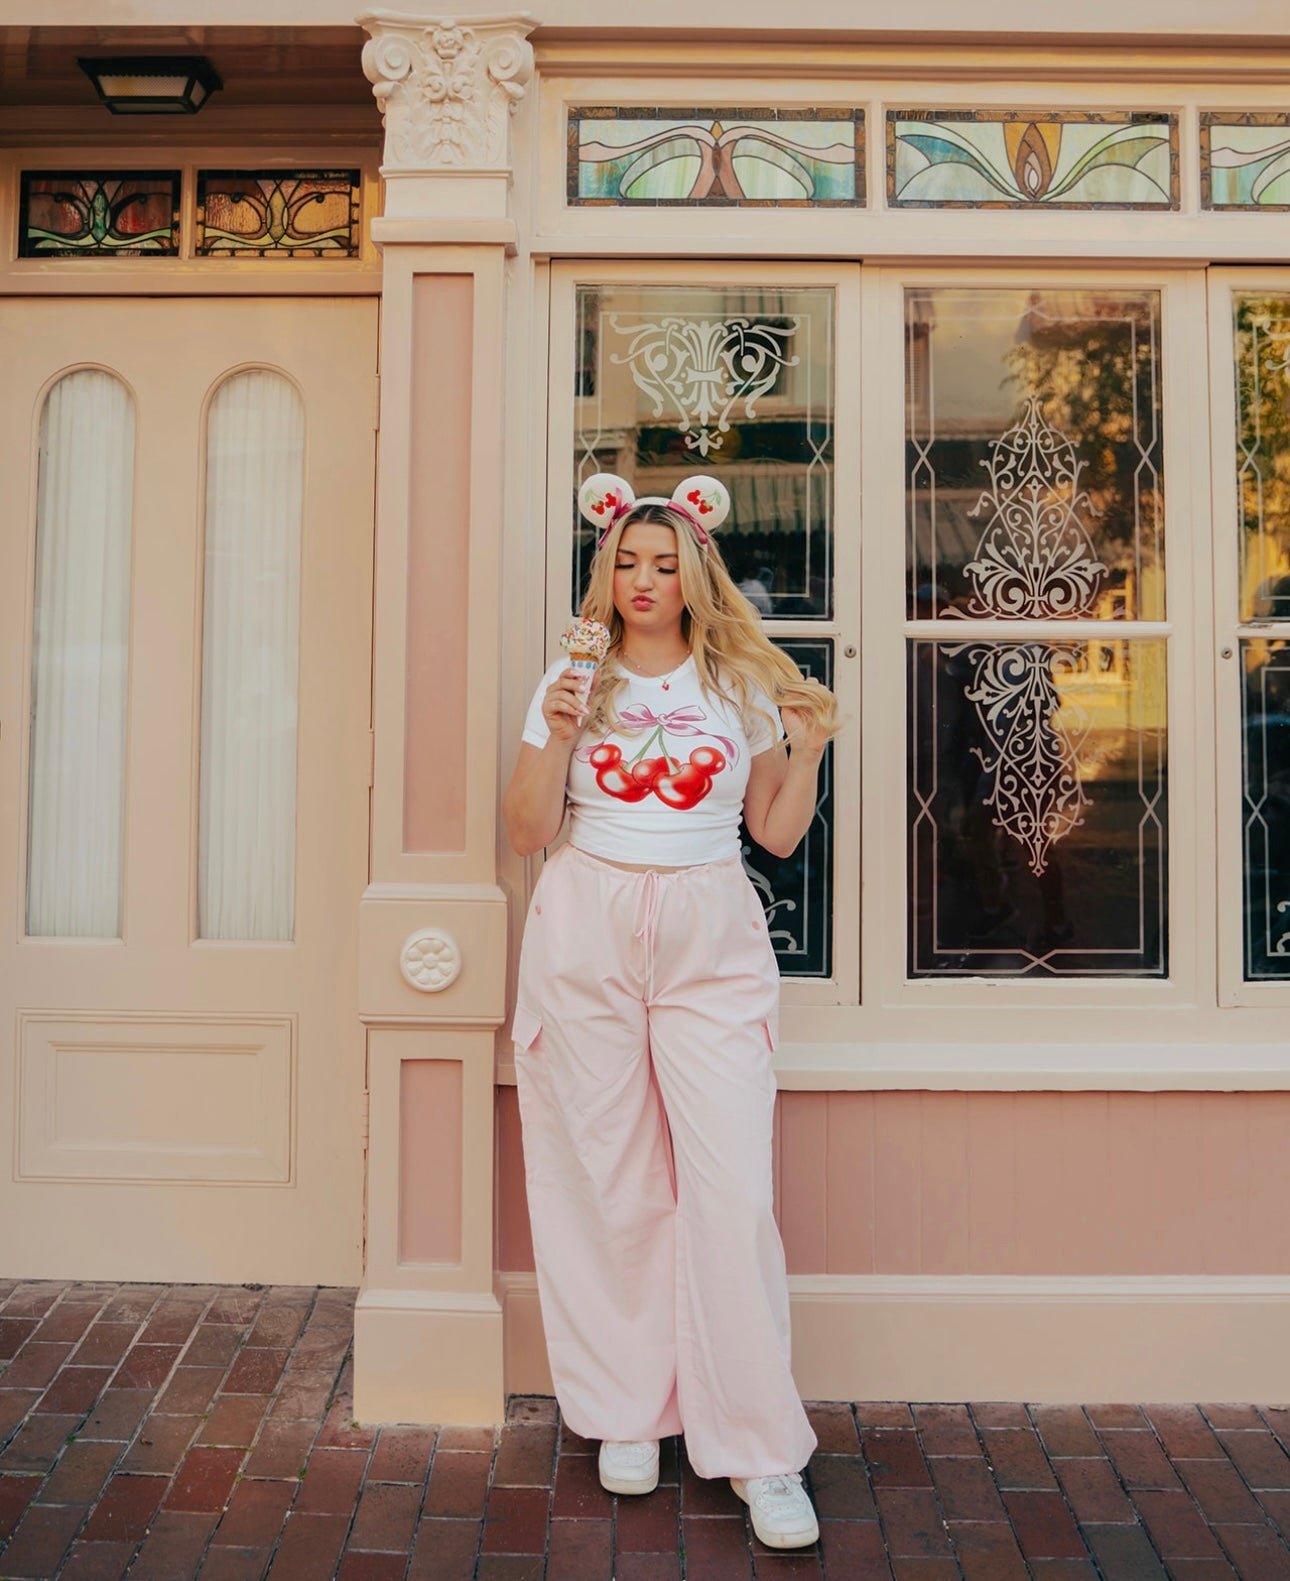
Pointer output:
x,y
645,675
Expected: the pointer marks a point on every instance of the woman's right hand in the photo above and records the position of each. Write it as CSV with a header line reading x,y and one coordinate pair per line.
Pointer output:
x,y
564,706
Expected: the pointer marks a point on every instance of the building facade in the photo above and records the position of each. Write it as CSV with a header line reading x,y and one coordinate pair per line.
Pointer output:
x,y
986,326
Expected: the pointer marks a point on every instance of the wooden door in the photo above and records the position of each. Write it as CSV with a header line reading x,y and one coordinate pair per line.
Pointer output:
x,y
185,1063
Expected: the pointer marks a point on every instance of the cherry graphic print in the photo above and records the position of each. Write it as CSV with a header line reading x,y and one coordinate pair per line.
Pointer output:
x,y
653,770
684,789
708,759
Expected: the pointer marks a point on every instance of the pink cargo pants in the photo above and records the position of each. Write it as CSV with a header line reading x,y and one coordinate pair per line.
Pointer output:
x,y
646,1016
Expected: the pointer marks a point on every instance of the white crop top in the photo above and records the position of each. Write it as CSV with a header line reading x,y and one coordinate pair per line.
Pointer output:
x,y
670,787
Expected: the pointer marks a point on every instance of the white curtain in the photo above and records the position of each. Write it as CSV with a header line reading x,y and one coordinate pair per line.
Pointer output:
x,y
79,665
250,659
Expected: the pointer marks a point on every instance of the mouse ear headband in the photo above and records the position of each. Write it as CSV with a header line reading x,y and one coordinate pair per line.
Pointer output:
x,y
605,498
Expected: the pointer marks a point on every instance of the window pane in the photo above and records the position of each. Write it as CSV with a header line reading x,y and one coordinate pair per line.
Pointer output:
x,y
79,663
765,156
1033,455
797,891
1037,814
1263,453
250,659
1007,159
278,213
1243,162
99,214
1265,717
675,380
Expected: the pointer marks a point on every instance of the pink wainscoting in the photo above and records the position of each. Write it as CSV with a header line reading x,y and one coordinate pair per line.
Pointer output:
x,y
1009,1183
435,755
430,1161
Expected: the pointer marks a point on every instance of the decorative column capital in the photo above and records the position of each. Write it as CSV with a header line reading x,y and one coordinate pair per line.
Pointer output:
x,y
447,89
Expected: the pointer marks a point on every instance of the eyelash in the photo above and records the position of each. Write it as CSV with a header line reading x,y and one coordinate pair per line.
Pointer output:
x,y
662,570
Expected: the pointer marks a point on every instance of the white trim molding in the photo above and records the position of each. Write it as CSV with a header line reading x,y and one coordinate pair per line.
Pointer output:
x,y
1042,1340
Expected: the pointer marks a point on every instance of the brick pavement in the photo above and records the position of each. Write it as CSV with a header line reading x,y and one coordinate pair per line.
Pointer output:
x,y
170,1432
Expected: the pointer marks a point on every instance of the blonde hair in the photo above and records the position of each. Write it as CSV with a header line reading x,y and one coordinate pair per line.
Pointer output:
x,y
722,628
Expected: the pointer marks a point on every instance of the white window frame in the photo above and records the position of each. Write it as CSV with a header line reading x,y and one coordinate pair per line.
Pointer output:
x,y
1234,989
1199,1028
842,986
886,632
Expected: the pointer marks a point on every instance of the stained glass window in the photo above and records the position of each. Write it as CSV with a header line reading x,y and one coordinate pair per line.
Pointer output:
x,y
674,380
713,156
1011,159
797,891
99,214
1036,764
1245,160
278,213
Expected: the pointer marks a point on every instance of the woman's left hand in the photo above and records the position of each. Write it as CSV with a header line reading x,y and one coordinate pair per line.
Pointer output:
x,y
804,734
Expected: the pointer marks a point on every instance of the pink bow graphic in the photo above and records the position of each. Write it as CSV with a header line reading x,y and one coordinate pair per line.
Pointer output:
x,y
688,721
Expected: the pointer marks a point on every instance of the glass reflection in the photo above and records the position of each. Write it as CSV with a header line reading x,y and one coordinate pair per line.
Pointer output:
x,y
796,891
1037,815
674,380
1263,454
1265,717
1033,455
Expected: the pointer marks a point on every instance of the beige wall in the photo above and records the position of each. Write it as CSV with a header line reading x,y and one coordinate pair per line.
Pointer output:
x,y
895,1195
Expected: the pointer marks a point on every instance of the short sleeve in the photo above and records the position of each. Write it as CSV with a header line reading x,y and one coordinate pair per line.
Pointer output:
x,y
535,730
761,735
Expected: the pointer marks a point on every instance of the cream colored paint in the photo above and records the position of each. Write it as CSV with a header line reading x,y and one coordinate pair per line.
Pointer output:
x,y
227,1133
1044,1341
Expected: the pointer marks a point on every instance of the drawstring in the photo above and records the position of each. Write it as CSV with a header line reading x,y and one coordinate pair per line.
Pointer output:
x,y
646,914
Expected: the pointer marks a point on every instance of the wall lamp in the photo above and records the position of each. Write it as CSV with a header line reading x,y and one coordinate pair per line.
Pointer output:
x,y
152,84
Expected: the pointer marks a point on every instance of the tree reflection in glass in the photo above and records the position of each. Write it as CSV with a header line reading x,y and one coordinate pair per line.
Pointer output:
x,y
1036,764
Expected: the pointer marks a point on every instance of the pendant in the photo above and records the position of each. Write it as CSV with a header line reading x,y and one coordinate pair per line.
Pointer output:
x,y
667,685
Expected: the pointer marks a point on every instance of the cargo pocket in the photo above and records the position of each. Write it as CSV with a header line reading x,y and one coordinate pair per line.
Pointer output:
x,y
525,1028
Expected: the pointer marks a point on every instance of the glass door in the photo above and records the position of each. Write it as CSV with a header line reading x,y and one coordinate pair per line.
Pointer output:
x,y
747,372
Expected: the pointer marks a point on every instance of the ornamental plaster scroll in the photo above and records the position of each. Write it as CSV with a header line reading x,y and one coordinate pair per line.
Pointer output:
x,y
447,88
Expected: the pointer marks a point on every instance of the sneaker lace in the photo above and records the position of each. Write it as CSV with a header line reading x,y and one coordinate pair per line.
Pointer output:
x,y
778,1489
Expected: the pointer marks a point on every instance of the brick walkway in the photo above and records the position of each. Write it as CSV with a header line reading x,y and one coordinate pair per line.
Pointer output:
x,y
169,1432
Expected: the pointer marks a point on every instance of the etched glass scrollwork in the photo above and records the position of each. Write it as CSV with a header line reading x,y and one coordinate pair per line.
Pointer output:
x,y
796,891
1262,346
673,380
1036,770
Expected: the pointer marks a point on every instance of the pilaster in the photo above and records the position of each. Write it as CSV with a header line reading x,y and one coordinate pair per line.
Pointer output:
x,y
428,1325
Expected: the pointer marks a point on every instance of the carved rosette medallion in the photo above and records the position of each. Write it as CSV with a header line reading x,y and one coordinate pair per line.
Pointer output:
x,y
447,88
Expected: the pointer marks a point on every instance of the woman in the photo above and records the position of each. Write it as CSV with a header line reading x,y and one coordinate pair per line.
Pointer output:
x,y
647,1009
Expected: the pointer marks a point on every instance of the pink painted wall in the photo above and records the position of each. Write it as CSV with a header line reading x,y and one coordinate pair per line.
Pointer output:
x,y
430,1161
435,756
1008,1183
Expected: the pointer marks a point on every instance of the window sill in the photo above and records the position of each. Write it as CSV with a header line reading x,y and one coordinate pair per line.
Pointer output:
x,y
1018,1067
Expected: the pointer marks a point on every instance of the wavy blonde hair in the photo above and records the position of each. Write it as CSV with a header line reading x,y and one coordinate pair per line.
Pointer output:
x,y
723,629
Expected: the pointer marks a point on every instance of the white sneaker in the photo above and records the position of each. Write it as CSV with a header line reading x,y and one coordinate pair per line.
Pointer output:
x,y
628,1467
780,1509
